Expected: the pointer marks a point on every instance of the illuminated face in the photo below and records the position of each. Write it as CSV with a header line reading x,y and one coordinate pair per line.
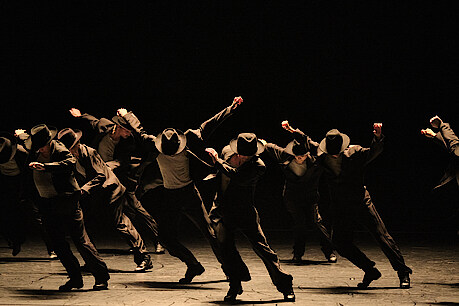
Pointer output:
x,y
300,159
123,132
75,150
45,150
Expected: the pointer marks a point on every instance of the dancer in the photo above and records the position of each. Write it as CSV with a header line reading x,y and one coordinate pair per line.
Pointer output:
x,y
183,161
98,180
298,161
234,209
448,140
351,203
52,172
118,147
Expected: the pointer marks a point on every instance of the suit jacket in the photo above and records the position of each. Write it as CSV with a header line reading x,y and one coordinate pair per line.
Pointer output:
x,y
239,194
99,177
61,167
200,161
450,142
298,185
348,187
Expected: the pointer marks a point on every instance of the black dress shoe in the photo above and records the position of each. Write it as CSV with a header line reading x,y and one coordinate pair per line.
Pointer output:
x,y
369,276
405,282
100,286
191,272
234,290
16,249
296,259
332,258
71,284
145,265
289,296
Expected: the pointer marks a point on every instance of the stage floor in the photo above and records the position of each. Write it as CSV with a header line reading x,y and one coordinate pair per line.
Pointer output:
x,y
31,278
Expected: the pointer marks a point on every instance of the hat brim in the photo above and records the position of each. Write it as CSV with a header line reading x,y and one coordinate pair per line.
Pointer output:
x,y
181,137
14,145
289,148
122,122
260,146
78,134
346,142
31,147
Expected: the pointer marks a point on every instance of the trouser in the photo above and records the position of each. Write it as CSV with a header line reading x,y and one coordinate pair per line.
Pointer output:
x,y
127,230
176,203
248,222
11,216
303,213
364,213
62,215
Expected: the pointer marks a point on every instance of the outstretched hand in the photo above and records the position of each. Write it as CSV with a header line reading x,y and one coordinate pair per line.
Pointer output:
x,y
121,112
236,102
435,122
75,112
428,133
37,166
286,126
212,153
377,127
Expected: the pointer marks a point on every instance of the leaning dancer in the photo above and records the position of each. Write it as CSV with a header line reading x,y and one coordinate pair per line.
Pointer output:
x,y
182,162
52,171
118,147
298,161
233,209
351,203
98,181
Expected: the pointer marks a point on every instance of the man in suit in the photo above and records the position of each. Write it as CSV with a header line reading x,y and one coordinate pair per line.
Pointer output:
x,y
52,169
182,162
119,148
351,203
298,161
98,182
449,141
234,209
13,158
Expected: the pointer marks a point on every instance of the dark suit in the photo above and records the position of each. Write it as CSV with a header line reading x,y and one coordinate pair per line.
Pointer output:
x,y
351,204
301,195
125,166
186,200
233,210
448,139
62,215
100,183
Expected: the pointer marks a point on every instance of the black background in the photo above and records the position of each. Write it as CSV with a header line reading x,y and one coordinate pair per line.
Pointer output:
x,y
319,64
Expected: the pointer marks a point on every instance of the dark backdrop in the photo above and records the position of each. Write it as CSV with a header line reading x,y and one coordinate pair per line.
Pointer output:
x,y
319,64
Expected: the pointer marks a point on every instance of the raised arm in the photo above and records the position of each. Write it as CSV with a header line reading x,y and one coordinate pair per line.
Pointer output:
x,y
95,123
377,144
209,126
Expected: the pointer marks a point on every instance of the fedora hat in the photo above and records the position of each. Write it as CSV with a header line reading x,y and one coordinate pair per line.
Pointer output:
x,y
40,136
122,122
8,146
334,142
296,148
247,144
170,141
69,137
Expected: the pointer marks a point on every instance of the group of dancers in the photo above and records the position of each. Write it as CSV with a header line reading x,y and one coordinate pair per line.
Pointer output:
x,y
125,168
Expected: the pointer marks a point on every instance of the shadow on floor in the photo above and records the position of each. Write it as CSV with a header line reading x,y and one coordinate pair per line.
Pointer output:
x,y
304,262
249,302
24,259
175,285
347,290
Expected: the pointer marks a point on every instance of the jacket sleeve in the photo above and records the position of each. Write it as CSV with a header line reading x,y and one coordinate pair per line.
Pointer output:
x,y
147,141
302,138
277,152
99,179
375,149
450,139
209,126
98,125
65,160
247,174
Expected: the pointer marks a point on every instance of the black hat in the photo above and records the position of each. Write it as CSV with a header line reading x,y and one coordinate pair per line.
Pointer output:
x,y
247,144
170,141
334,142
40,136
69,137
296,148
122,122
8,146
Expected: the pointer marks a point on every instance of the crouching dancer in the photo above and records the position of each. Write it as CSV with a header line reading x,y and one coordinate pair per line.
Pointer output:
x,y
52,170
233,209
97,179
